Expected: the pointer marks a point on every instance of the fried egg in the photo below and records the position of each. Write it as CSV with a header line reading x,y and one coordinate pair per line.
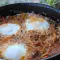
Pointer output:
x,y
9,29
39,24
15,52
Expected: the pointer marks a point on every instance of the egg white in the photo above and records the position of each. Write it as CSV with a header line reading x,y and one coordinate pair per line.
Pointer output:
x,y
36,25
15,52
9,29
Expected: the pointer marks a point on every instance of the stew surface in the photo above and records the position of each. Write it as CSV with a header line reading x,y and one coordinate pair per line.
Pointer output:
x,y
28,36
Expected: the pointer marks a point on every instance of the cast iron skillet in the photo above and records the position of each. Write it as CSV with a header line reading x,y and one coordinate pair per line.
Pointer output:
x,y
33,7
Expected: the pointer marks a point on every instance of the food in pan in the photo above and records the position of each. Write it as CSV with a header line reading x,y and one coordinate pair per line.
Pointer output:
x,y
28,36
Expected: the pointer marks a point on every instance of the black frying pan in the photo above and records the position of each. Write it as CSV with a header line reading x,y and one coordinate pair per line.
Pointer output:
x,y
32,7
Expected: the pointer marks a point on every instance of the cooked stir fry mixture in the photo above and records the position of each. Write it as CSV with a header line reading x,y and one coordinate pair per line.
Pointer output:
x,y
28,36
